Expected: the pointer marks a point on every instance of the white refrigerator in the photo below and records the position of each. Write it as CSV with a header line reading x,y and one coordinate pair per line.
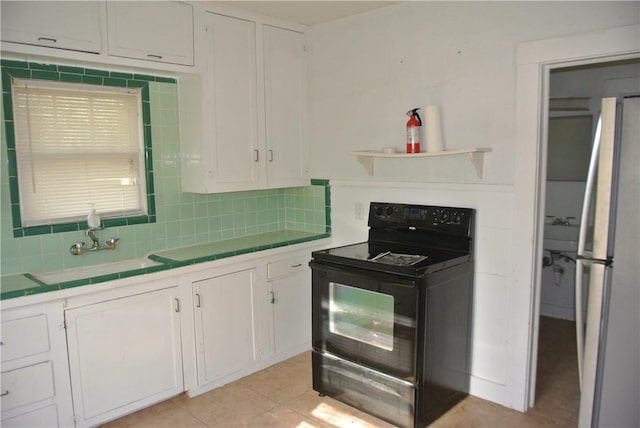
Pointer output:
x,y
609,260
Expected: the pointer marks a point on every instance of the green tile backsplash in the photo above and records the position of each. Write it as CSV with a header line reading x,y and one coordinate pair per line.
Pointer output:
x,y
182,218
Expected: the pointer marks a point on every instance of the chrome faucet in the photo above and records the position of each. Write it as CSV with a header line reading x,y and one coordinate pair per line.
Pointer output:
x,y
558,221
90,233
78,248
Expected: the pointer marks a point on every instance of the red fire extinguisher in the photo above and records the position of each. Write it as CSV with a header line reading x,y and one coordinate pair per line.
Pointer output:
x,y
414,125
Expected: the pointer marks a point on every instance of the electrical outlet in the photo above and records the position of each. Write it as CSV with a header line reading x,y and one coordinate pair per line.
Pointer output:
x,y
359,211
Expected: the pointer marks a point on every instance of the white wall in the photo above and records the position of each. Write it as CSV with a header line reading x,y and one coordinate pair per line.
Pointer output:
x,y
366,71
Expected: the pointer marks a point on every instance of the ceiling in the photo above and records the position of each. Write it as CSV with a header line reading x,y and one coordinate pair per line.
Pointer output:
x,y
307,12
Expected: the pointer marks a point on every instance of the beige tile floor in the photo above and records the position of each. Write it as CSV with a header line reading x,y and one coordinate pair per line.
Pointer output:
x,y
281,396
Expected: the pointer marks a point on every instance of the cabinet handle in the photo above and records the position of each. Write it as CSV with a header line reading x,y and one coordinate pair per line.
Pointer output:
x,y
197,300
256,158
297,265
273,297
154,56
177,304
270,155
4,393
47,39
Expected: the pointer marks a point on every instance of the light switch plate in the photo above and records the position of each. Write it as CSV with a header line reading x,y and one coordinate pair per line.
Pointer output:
x,y
359,211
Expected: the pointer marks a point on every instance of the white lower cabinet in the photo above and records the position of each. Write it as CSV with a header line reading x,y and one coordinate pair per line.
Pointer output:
x,y
24,336
124,354
34,385
91,357
290,288
250,316
229,324
26,385
42,417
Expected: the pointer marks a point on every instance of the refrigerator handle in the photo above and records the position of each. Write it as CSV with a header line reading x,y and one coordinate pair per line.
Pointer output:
x,y
579,319
582,240
588,192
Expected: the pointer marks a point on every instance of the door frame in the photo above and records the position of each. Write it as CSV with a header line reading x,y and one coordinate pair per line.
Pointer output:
x,y
535,59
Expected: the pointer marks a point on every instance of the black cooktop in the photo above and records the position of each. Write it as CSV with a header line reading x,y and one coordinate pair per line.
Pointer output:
x,y
390,258
408,239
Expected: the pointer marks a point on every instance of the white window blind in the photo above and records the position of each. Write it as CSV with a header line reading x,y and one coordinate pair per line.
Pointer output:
x,y
78,145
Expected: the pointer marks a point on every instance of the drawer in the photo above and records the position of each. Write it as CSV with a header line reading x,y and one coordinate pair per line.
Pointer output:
x,y
23,337
288,266
26,385
44,417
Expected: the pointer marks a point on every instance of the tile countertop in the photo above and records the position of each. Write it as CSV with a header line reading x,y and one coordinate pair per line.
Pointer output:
x,y
27,284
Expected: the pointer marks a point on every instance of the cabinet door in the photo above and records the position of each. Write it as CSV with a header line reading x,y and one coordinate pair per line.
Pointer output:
x,y
154,31
232,117
229,324
292,313
284,99
62,24
124,354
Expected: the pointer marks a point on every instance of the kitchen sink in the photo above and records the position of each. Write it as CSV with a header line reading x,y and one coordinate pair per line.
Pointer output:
x,y
561,237
87,272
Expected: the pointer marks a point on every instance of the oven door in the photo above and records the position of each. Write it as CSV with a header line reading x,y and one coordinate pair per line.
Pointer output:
x,y
366,317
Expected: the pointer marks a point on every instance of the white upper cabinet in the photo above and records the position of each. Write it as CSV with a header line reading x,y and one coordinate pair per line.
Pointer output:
x,y
152,31
231,121
69,25
284,89
248,133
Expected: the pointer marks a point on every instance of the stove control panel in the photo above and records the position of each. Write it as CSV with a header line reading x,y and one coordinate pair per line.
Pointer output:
x,y
392,215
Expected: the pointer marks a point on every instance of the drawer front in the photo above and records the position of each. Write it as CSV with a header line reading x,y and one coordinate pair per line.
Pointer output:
x,y
26,385
44,417
288,266
24,337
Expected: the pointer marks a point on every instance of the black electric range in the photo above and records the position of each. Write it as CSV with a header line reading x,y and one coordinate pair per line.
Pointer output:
x,y
391,317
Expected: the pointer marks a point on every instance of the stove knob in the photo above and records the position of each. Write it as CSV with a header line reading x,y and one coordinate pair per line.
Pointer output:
x,y
379,211
444,216
389,210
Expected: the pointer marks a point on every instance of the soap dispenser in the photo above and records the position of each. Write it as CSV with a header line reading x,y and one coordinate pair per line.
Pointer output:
x,y
93,219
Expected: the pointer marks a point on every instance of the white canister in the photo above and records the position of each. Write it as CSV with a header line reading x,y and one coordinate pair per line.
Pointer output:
x,y
433,129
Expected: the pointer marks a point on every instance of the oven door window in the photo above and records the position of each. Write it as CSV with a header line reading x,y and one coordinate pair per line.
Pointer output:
x,y
362,315
368,318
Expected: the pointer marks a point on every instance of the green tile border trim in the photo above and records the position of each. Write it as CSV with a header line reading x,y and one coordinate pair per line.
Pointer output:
x,y
65,73
327,200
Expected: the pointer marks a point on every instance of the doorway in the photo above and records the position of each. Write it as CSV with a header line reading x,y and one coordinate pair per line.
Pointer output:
x,y
536,60
573,108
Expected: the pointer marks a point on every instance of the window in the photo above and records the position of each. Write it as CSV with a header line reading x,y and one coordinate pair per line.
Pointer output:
x,y
75,121
77,146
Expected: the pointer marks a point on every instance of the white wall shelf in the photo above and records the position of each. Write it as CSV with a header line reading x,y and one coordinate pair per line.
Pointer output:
x,y
476,155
